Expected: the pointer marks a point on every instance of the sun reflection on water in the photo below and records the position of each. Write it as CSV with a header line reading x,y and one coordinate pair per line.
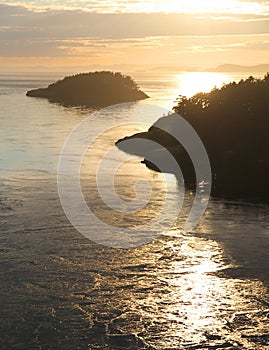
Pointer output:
x,y
196,286
194,82
197,305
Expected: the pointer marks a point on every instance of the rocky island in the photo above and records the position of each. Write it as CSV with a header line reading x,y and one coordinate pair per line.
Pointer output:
x,y
233,124
94,90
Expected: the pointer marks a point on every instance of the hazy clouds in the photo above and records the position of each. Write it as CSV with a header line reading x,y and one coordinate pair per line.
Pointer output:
x,y
60,32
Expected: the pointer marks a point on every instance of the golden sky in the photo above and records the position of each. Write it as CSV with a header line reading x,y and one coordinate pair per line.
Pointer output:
x,y
178,33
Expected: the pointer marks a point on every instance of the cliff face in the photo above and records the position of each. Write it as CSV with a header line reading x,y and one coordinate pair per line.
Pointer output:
x,y
97,89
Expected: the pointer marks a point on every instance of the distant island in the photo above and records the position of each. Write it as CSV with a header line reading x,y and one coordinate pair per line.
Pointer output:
x,y
233,124
94,89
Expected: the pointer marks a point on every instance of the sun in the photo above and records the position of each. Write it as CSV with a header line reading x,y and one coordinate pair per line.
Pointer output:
x,y
194,82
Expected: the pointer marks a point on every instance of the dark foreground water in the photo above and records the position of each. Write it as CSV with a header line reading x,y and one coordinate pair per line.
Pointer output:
x,y
60,291
206,289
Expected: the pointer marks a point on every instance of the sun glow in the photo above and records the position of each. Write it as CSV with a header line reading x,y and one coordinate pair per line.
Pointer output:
x,y
210,6
194,82
149,6
197,6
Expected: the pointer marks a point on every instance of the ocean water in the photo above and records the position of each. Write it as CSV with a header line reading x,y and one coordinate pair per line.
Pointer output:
x,y
60,290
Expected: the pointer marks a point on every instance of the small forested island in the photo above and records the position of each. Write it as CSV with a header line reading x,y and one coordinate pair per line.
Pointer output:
x,y
94,89
233,124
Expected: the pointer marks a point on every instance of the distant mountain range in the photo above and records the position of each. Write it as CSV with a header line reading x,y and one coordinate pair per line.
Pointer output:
x,y
228,68
224,68
132,68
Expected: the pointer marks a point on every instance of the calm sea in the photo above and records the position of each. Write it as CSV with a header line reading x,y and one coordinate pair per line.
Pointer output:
x,y
60,290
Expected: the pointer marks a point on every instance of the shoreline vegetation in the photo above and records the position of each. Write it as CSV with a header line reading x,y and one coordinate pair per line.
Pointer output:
x,y
233,124
94,90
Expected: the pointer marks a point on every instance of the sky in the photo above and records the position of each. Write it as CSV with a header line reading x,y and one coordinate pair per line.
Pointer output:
x,y
179,33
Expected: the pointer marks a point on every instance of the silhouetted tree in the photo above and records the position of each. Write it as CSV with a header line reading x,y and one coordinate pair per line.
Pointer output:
x,y
233,118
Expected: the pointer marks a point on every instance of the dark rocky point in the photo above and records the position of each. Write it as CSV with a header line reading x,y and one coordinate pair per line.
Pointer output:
x,y
233,124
